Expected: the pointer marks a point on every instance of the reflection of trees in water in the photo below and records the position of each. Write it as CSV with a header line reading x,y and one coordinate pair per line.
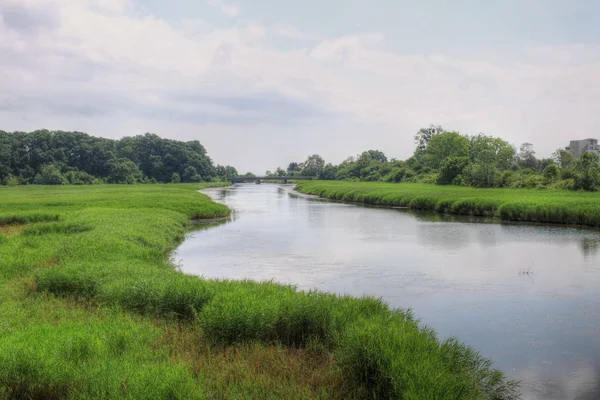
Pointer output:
x,y
589,245
593,391
589,390
429,216
200,225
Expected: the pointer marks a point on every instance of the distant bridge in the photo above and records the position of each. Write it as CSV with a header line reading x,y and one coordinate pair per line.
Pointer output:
x,y
259,179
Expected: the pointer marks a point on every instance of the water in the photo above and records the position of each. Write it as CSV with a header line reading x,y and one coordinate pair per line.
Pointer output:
x,y
527,296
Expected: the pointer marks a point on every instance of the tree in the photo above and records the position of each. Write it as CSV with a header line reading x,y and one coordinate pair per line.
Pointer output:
x,y
313,165
451,168
526,156
329,172
504,152
484,171
377,155
23,154
447,144
190,175
51,175
280,172
551,173
587,172
563,158
175,178
123,170
293,167
424,136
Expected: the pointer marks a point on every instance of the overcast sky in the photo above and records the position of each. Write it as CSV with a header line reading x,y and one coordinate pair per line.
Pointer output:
x,y
264,82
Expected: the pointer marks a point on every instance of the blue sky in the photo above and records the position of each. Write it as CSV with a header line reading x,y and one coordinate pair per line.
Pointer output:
x,y
261,83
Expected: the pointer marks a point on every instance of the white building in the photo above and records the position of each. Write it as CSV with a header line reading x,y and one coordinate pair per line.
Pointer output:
x,y
577,147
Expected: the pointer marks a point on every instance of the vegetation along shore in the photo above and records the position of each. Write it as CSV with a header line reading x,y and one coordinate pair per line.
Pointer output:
x,y
532,205
92,308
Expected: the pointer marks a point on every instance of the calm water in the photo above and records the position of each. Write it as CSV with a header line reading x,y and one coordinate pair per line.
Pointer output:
x,y
527,296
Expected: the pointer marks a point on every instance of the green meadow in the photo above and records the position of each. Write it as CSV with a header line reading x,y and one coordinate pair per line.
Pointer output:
x,y
91,307
531,205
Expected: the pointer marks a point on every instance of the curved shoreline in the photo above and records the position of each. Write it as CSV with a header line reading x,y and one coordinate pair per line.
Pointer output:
x,y
509,205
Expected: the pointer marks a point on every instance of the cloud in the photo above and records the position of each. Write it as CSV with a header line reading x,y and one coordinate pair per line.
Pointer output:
x,y
229,10
255,31
26,19
291,31
98,59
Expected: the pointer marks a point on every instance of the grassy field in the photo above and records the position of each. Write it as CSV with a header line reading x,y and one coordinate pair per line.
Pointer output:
x,y
90,307
532,205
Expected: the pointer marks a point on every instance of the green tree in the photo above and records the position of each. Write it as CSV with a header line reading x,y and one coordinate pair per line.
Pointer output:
x,y
526,156
377,155
280,172
423,137
50,175
293,167
563,158
123,170
329,172
175,178
484,171
551,173
447,144
190,175
451,168
504,152
313,165
587,172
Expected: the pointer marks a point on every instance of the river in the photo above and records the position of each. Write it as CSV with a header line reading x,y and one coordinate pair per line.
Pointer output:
x,y
525,295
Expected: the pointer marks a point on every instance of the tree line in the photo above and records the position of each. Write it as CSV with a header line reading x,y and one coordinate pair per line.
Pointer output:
x,y
58,157
450,158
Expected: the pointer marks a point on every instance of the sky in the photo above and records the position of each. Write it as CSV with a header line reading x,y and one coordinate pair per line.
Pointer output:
x,y
261,83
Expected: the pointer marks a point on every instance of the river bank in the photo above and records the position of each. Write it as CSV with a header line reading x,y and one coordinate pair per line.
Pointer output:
x,y
529,205
86,281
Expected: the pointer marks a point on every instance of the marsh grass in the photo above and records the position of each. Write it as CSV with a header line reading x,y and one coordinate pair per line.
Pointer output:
x,y
532,205
91,307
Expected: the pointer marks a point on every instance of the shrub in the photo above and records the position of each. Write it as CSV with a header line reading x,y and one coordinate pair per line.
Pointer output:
x,y
396,359
67,281
450,168
170,295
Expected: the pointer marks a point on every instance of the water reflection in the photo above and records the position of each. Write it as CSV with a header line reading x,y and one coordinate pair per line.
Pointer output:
x,y
463,276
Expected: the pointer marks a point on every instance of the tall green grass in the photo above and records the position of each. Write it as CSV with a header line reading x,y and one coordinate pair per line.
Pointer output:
x,y
532,205
84,292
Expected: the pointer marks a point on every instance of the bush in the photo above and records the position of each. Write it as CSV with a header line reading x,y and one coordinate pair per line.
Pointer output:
x,y
10,180
50,175
567,173
506,178
587,172
397,175
72,281
396,359
174,295
303,317
245,313
450,168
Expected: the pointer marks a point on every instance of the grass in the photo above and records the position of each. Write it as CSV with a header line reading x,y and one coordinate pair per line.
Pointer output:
x,y
90,307
531,205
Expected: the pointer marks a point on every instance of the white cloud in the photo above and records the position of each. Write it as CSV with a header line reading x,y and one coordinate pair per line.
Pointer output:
x,y
293,32
229,10
95,59
255,30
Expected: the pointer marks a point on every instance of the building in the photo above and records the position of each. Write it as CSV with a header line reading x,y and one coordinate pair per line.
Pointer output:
x,y
577,147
